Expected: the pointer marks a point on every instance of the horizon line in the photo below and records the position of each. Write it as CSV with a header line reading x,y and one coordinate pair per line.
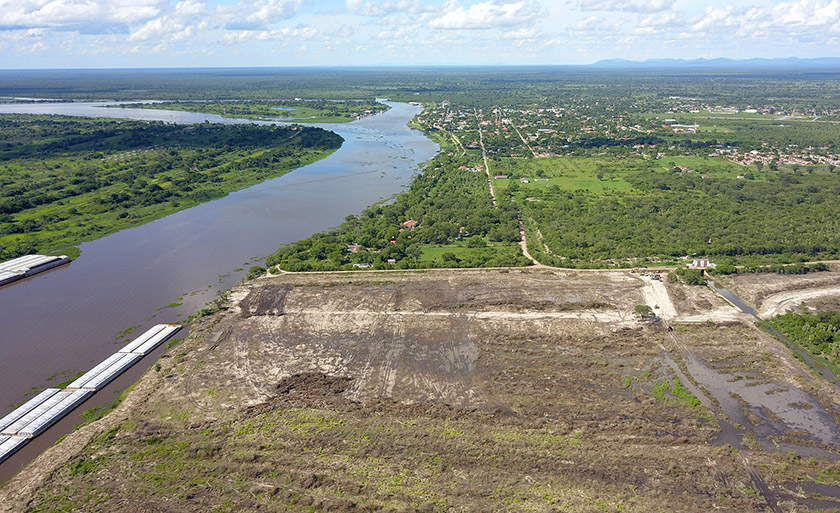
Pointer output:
x,y
609,62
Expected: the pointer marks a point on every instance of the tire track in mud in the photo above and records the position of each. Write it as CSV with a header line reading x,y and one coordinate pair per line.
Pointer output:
x,y
216,341
604,317
761,485
781,302
242,362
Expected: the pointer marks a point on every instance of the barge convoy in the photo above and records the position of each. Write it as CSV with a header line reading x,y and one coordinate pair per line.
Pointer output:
x,y
28,265
42,411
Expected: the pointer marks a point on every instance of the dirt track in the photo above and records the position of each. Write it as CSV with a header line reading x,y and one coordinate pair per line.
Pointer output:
x,y
521,390
781,302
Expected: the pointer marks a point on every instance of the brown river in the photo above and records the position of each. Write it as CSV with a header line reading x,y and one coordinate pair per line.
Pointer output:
x,y
67,320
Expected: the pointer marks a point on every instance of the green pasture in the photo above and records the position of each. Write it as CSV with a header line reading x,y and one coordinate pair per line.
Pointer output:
x,y
569,173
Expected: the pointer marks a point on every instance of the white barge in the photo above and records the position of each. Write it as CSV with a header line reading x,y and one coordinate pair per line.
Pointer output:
x,y
48,407
147,342
105,372
28,265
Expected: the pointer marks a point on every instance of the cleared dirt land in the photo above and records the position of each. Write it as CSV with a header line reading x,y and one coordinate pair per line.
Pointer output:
x,y
527,390
774,294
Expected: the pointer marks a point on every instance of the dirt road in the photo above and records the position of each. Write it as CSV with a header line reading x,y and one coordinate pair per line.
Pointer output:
x,y
781,302
656,296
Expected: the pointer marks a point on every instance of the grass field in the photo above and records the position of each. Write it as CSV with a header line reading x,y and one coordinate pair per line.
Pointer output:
x,y
434,253
570,173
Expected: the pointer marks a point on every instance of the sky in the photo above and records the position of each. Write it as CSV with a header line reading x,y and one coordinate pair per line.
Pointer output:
x,y
267,33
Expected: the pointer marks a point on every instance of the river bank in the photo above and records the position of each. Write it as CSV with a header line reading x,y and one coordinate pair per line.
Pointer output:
x,y
60,322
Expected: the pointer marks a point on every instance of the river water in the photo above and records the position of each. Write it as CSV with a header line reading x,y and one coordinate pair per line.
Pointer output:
x,y
67,319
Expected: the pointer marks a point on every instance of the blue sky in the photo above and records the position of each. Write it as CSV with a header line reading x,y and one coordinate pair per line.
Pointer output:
x,y
164,33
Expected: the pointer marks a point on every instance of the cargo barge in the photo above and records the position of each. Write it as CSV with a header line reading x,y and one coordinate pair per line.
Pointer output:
x,y
28,265
48,407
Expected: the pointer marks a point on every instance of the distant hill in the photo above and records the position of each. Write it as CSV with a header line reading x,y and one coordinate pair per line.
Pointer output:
x,y
787,63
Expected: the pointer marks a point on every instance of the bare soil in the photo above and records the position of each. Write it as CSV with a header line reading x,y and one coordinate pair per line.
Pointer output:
x,y
521,390
773,294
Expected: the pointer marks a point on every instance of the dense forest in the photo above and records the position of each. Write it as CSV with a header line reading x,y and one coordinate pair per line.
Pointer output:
x,y
291,110
667,215
67,180
818,333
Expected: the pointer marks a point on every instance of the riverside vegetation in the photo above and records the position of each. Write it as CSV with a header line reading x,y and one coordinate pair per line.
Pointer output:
x,y
308,111
65,180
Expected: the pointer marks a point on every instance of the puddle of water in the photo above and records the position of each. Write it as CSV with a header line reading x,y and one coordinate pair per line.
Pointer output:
x,y
732,298
814,493
777,411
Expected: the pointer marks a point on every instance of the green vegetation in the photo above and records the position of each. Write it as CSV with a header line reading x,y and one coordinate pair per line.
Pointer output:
x,y
607,168
643,311
688,276
68,375
818,333
255,272
637,91
65,180
307,111
674,391
212,307
777,268
445,219
93,414
324,459
668,215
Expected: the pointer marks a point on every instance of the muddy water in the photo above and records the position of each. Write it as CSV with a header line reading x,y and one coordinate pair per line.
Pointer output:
x,y
769,410
744,405
732,298
826,372
67,319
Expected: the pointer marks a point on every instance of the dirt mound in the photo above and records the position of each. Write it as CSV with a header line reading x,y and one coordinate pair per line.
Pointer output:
x,y
313,383
268,300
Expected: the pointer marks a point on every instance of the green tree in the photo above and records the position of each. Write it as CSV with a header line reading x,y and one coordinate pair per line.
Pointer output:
x,y
643,311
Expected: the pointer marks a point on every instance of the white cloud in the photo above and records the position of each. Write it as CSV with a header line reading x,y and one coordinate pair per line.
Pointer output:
x,y
52,13
190,8
669,21
298,33
397,31
343,31
393,35
162,28
590,24
645,6
799,20
257,14
371,8
523,33
39,46
179,25
486,15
